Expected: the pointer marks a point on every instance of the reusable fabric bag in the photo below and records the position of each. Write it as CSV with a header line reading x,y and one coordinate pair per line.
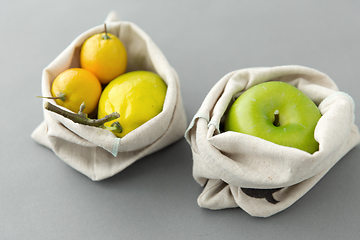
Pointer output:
x,y
96,152
261,177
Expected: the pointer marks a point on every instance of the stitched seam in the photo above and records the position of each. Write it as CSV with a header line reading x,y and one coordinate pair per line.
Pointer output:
x,y
192,123
115,147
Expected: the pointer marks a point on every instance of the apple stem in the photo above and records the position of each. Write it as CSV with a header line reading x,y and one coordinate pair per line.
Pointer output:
x,y
82,118
277,118
106,36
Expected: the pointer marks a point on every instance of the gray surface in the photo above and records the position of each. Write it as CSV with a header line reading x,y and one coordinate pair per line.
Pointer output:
x,y
155,198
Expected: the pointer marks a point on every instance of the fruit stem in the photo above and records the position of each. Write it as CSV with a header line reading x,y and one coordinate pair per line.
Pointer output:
x,y
61,97
277,118
81,118
115,127
106,36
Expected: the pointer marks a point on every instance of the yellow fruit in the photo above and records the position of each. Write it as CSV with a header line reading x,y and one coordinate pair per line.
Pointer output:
x,y
77,86
104,55
138,96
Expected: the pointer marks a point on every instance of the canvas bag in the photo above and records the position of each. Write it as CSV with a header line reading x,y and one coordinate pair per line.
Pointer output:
x,y
263,178
96,152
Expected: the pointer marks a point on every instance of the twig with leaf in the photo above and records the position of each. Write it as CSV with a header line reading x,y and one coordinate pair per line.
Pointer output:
x,y
82,118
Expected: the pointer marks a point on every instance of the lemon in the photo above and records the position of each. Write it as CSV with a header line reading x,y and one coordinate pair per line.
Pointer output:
x,y
75,86
138,96
104,55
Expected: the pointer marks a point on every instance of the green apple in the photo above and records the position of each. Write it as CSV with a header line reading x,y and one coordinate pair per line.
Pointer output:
x,y
277,112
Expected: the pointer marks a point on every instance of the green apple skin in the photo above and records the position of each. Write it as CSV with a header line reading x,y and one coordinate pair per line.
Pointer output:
x,y
253,113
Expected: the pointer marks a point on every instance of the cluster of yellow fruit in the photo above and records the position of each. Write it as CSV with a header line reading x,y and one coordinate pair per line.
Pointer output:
x,y
137,96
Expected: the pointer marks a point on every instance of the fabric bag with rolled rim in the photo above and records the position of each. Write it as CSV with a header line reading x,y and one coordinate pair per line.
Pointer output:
x,y
96,152
261,177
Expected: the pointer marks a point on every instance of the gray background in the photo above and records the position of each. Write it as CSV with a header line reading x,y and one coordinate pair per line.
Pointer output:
x,y
155,198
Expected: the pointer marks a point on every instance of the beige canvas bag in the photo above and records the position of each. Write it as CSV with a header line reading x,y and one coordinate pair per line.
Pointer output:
x,y
96,152
263,178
